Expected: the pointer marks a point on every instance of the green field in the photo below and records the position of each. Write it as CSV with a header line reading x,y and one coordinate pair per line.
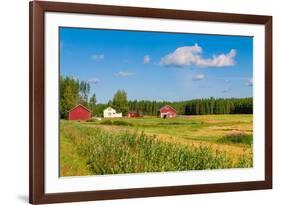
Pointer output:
x,y
151,144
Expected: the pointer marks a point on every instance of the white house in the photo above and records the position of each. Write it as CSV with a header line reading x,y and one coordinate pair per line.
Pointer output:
x,y
111,113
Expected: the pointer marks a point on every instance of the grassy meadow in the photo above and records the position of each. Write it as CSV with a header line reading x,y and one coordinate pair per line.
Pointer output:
x,y
151,144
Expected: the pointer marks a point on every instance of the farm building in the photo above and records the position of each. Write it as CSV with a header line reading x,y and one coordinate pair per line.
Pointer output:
x,y
133,114
111,113
167,112
79,112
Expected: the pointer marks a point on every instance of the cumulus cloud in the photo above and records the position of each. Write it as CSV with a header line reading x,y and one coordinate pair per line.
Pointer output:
x,y
94,80
198,77
97,57
123,74
192,55
146,59
250,82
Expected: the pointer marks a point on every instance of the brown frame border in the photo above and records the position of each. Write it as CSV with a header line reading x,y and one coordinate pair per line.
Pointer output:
x,y
37,95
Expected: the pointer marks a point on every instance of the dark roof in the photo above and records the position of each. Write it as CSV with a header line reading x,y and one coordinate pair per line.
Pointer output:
x,y
78,106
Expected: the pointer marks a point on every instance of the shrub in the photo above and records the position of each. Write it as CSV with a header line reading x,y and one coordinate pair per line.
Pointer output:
x,y
116,122
106,122
124,123
171,123
92,120
237,139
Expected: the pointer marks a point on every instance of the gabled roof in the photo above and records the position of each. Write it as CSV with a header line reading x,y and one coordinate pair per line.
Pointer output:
x,y
79,105
168,107
109,108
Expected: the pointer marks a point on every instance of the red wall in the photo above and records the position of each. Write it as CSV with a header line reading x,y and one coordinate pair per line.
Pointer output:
x,y
133,114
79,113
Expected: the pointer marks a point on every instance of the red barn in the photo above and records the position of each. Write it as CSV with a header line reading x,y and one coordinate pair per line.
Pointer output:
x,y
167,112
79,112
133,114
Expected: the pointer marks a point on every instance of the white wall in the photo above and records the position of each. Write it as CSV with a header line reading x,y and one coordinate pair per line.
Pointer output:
x,y
14,93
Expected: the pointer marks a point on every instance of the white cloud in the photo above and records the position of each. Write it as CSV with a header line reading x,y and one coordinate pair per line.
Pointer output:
x,y
198,77
94,80
97,57
192,55
250,82
123,74
146,59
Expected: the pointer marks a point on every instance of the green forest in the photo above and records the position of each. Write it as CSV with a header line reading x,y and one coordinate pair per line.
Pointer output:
x,y
73,92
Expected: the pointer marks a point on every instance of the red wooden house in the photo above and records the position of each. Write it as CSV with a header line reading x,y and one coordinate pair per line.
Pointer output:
x,y
79,112
133,114
167,112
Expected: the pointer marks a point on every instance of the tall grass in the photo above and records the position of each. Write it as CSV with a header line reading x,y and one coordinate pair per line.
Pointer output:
x,y
107,153
116,122
237,139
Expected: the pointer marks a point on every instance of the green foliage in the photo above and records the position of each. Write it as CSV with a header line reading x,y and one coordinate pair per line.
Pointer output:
x,y
120,102
71,163
92,120
92,103
219,106
237,139
197,106
72,92
98,109
106,122
118,153
243,162
69,94
116,122
84,89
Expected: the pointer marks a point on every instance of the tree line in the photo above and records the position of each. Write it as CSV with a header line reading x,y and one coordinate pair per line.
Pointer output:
x,y
73,92
197,106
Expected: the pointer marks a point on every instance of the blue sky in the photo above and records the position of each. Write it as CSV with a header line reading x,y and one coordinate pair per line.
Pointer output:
x,y
156,65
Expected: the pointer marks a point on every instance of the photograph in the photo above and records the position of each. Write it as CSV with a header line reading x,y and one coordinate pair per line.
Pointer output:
x,y
132,102
146,101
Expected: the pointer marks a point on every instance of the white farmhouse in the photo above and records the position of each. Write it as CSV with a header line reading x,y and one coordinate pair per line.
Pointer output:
x,y
111,113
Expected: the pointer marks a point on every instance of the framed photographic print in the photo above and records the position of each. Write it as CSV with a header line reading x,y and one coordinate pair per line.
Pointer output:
x,y
139,102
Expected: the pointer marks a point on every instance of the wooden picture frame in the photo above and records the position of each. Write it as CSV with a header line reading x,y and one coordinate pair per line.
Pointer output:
x,y
37,98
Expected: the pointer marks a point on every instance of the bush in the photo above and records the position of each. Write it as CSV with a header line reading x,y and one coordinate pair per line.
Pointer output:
x,y
92,120
116,122
237,139
124,123
171,123
106,122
